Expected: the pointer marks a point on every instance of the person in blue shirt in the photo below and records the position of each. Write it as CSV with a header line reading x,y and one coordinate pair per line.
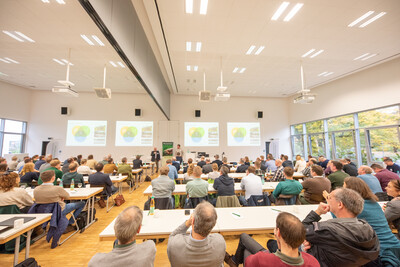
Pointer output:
x,y
365,173
173,173
270,163
391,166
289,186
374,215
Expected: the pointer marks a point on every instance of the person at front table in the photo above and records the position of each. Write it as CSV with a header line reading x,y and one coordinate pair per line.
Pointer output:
x,y
344,240
188,176
289,186
289,233
217,160
198,187
155,157
49,193
337,176
207,168
126,169
84,169
215,173
270,163
365,173
163,186
242,167
11,194
278,176
202,162
126,251
314,187
224,184
173,173
110,167
91,162
199,248
100,178
55,165
73,174
252,185
137,163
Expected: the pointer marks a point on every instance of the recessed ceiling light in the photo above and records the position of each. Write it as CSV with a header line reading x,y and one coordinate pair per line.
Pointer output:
x,y
323,73
363,55
97,40
235,70
368,57
189,6
327,74
250,50
61,2
259,50
66,62
120,63
13,36
242,70
188,68
25,37
360,18
113,64
372,19
84,37
280,10
188,46
45,1
11,60
195,68
198,46
316,54
309,52
293,12
203,7
5,61
3,74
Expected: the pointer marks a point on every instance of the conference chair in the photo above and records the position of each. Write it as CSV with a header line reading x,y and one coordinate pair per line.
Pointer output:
x,y
163,203
103,194
192,202
9,246
227,201
129,181
287,200
258,200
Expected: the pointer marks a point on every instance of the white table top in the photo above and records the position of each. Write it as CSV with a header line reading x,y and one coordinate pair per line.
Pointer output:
x,y
205,176
38,218
78,193
114,178
181,188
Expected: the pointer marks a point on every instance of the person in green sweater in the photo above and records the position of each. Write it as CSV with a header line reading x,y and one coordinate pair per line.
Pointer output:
x,y
72,174
125,168
197,187
337,176
289,186
56,167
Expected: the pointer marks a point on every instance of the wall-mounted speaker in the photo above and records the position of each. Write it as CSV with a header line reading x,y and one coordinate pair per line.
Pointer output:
x,y
197,113
64,111
138,112
259,114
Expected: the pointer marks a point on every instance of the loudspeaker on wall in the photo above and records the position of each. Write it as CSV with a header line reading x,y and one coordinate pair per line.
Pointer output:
x,y
259,114
65,111
138,112
197,113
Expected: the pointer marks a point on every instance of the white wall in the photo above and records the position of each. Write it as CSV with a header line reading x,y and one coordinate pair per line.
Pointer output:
x,y
374,87
15,102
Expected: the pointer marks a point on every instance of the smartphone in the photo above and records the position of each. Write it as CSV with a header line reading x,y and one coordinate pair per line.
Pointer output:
x,y
187,212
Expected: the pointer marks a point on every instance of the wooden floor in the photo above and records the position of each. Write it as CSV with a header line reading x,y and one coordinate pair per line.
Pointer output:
x,y
78,250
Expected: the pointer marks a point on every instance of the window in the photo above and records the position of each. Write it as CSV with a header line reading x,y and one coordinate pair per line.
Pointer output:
x,y
12,136
316,145
298,145
343,145
379,117
341,123
315,126
297,129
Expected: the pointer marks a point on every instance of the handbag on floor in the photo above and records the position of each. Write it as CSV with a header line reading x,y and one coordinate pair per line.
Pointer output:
x,y
119,200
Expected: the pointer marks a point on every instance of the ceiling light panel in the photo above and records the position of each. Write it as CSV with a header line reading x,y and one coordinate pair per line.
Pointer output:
x,y
293,12
368,57
308,53
372,19
189,6
198,46
363,55
360,18
11,60
121,64
188,68
5,61
196,68
97,40
25,37
84,37
113,64
59,62
323,73
20,37
280,10
235,70
250,50
61,2
203,7
259,50
188,46
242,70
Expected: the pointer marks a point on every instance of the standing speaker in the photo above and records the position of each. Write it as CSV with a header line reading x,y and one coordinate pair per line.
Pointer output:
x,y
259,114
64,111
138,112
197,113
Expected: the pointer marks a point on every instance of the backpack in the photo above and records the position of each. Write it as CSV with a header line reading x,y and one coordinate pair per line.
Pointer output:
x,y
81,220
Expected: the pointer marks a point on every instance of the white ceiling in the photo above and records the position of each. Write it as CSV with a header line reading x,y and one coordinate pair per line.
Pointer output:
x,y
55,28
232,26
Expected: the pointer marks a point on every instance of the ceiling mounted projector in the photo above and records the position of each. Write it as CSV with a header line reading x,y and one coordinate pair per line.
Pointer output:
x,y
104,93
204,96
222,97
65,91
222,89
305,97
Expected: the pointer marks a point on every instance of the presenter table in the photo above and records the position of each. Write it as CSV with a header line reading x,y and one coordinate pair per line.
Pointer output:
x,y
16,233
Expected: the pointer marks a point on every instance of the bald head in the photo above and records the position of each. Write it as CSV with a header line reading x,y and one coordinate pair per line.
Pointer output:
x,y
278,162
205,218
127,224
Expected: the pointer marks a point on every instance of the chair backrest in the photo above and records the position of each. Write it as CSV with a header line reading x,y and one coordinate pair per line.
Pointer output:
x,y
163,203
382,196
227,202
287,200
10,209
197,200
104,192
259,200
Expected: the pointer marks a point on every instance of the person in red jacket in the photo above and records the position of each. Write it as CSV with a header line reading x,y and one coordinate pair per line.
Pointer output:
x,y
290,234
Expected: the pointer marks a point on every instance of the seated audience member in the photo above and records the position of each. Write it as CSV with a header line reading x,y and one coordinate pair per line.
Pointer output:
x,y
328,169
65,167
278,176
247,161
35,158
314,187
48,193
323,162
73,175
3,167
373,214
28,167
84,168
198,187
46,165
344,240
137,162
91,162
384,175
126,252
270,163
242,167
176,164
289,186
12,165
105,160
262,159
365,173
259,172
307,171
199,248
392,208
300,164
189,174
201,163
126,169
163,186
11,194
289,233
337,176
252,185
216,160
179,158
207,168
55,165
185,169
22,163
391,166
224,184
286,162
100,178
225,162
79,159
349,167
110,167
3,160
173,173
215,173
40,162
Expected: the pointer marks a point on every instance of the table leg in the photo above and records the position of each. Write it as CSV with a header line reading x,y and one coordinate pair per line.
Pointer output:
x,y
120,188
89,210
16,251
28,243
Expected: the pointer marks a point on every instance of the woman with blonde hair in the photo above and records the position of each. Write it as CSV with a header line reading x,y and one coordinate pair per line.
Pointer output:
x,y
28,167
215,173
188,176
11,194
301,164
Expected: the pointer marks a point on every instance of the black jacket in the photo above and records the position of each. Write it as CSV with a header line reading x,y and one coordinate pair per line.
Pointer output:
x,y
287,163
242,168
218,162
341,241
137,163
225,186
155,155
100,178
350,169
201,163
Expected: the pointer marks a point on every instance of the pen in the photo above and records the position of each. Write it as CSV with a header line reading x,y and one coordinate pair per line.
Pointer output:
x,y
276,210
235,214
